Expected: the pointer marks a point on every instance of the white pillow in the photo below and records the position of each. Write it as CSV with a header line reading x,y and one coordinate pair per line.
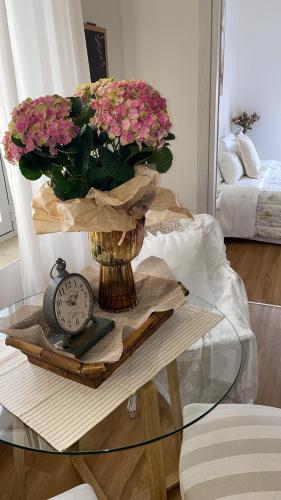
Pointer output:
x,y
190,254
231,167
227,143
248,155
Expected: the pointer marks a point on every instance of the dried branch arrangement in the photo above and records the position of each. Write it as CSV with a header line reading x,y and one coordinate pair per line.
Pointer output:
x,y
246,120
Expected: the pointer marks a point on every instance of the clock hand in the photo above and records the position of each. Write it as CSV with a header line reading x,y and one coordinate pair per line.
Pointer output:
x,y
76,297
70,301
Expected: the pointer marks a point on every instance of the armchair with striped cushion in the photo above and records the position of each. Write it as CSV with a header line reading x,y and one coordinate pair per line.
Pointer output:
x,y
234,453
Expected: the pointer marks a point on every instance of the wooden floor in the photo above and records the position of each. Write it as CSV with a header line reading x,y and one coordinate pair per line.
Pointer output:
x,y
49,475
266,323
259,265
122,475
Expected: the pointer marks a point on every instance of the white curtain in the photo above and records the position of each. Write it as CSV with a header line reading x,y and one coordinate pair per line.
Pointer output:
x,y
42,51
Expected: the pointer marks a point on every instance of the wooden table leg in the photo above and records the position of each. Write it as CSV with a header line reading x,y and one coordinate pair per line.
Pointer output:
x,y
158,481
19,459
176,407
154,451
174,390
87,476
20,478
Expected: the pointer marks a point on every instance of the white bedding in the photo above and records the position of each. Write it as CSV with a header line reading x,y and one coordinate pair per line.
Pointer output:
x,y
252,207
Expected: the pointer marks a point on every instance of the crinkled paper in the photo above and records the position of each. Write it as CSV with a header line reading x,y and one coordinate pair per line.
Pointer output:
x,y
106,211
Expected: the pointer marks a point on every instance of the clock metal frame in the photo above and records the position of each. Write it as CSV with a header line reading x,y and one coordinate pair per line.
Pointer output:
x,y
50,300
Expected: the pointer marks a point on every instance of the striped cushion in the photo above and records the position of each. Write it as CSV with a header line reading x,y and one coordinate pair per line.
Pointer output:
x,y
234,453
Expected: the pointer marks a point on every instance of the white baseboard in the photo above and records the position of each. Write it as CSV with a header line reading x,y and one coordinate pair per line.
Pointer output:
x,y
263,304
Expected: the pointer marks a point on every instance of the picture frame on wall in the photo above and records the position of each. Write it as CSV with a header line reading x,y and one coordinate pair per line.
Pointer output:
x,y
96,42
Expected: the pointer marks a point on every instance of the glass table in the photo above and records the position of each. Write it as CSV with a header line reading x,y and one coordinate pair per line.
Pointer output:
x,y
205,373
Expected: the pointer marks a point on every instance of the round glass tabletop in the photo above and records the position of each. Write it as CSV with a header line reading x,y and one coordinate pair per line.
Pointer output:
x,y
204,373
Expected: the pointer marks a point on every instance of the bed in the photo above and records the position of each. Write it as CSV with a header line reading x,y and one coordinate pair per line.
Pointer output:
x,y
251,208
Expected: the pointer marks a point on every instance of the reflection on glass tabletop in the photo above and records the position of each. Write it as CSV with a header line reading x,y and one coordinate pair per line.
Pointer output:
x,y
204,373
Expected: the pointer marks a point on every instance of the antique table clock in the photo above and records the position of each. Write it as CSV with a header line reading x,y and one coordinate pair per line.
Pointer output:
x,y
68,309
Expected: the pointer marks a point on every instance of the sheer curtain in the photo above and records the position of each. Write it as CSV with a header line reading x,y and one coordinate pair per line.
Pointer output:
x,y
42,51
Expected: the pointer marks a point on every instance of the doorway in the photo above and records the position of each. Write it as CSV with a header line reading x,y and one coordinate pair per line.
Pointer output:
x,y
244,180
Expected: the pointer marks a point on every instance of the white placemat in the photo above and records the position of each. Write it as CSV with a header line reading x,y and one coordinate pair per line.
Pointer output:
x,y
62,411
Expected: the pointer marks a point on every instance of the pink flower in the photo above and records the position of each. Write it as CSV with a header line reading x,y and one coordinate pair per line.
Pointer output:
x,y
133,113
125,124
114,131
21,124
131,110
37,123
126,138
13,153
86,91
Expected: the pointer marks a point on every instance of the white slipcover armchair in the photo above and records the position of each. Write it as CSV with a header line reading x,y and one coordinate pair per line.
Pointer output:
x,y
195,252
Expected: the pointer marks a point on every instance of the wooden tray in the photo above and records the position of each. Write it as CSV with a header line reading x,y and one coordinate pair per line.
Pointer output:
x,y
90,374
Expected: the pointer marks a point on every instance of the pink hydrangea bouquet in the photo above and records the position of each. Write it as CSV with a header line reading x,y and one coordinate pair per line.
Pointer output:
x,y
92,139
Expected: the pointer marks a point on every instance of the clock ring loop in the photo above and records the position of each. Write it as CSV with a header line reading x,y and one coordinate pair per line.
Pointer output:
x,y
60,265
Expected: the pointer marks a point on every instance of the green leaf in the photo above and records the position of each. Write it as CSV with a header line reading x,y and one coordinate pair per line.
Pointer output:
x,y
33,164
44,152
68,189
95,138
113,168
60,160
99,139
170,137
80,112
103,138
54,173
98,177
107,172
125,152
139,157
40,162
77,107
132,154
109,160
163,159
70,149
17,142
28,168
83,155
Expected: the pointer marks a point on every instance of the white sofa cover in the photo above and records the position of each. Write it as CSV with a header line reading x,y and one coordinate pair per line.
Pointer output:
x,y
196,255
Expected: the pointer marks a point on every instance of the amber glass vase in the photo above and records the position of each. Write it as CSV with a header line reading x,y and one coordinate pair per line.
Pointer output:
x,y
115,251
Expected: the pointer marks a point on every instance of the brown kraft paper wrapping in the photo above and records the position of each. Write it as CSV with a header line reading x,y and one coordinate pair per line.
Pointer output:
x,y
115,210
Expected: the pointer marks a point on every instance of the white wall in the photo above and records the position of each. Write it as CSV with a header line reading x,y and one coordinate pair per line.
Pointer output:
x,y
161,46
107,14
158,42
227,99
258,71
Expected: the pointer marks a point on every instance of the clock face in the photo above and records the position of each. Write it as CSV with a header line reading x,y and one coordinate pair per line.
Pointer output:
x,y
73,304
